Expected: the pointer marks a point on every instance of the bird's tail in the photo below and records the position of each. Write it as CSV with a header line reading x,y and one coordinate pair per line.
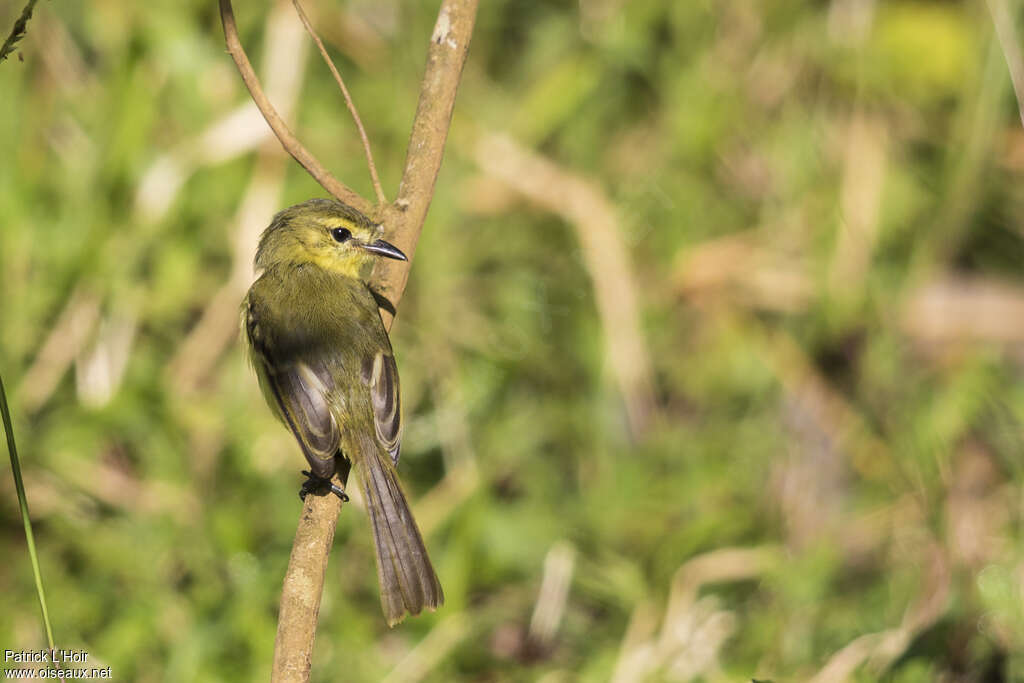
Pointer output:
x,y
407,579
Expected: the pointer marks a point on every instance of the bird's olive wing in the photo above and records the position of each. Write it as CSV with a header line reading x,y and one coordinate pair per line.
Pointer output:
x,y
299,390
381,374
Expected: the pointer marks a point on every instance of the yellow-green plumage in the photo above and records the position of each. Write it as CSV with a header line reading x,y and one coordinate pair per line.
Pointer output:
x,y
326,368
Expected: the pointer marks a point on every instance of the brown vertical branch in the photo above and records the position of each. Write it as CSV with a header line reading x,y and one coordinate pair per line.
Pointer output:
x,y
304,586
403,221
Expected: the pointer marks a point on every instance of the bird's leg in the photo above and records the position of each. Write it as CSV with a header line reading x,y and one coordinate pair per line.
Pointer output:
x,y
321,487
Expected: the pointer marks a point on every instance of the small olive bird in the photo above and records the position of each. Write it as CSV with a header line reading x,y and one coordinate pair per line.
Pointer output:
x,y
326,368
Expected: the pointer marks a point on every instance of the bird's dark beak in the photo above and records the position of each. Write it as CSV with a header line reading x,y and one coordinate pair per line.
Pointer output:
x,y
385,249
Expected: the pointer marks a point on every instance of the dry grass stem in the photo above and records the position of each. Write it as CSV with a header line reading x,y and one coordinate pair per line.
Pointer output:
x,y
585,207
860,202
100,368
284,70
73,328
549,608
742,270
880,650
849,21
953,311
378,190
636,652
430,651
238,132
693,631
717,566
218,326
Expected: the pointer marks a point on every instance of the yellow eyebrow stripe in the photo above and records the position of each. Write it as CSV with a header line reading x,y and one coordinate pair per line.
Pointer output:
x,y
338,222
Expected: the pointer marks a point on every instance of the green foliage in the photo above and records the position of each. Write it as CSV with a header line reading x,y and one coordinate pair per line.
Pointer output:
x,y
19,485
822,215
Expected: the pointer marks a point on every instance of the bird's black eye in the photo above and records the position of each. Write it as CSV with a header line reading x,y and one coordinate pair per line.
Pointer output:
x,y
341,234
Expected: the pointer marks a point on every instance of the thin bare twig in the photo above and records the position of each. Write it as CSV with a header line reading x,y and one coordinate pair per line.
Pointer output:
x,y
288,140
378,190
283,69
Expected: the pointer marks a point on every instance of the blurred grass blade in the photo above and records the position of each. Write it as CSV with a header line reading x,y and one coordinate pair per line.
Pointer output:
x,y
23,503
17,33
1006,32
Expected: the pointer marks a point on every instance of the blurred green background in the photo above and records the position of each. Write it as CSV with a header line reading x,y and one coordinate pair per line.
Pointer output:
x,y
711,354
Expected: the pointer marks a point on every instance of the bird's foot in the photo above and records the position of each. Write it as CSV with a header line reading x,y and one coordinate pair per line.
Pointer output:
x,y
321,487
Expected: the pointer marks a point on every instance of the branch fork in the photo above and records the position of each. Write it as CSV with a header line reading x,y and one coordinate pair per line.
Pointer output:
x,y
403,221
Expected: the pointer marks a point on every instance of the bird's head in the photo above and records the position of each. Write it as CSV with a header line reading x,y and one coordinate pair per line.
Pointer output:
x,y
326,233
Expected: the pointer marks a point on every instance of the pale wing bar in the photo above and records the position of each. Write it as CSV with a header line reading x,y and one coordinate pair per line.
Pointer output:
x,y
382,375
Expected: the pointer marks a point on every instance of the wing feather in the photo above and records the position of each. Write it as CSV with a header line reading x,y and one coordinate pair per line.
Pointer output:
x,y
382,376
300,392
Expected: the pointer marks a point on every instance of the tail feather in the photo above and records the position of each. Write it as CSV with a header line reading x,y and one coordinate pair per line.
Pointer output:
x,y
407,579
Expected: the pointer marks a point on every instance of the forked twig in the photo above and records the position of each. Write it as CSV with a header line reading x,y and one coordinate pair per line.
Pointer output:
x,y
288,140
403,221
378,190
